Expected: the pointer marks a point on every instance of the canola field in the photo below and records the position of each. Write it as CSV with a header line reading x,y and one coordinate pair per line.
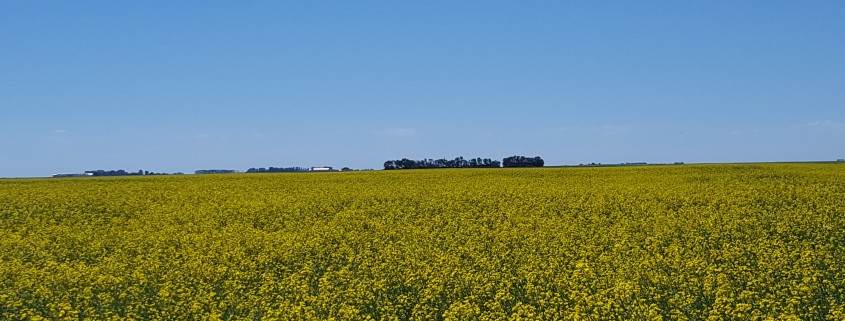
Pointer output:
x,y
690,242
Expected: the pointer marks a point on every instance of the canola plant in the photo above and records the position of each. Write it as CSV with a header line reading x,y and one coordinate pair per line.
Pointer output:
x,y
691,242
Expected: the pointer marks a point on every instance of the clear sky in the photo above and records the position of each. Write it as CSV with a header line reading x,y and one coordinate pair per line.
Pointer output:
x,y
183,85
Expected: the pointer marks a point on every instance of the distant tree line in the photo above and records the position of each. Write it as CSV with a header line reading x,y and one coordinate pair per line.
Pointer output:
x,y
154,173
117,172
459,162
277,170
215,171
120,172
522,161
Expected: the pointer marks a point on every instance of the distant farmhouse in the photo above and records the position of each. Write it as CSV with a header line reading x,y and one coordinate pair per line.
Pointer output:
x,y
323,169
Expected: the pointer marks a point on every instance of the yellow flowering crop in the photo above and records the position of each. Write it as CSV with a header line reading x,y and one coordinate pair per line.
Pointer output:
x,y
692,242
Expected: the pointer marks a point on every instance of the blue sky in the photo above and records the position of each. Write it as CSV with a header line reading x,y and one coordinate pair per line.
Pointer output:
x,y
183,85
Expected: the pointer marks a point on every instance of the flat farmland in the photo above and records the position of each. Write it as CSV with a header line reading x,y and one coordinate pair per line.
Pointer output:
x,y
688,242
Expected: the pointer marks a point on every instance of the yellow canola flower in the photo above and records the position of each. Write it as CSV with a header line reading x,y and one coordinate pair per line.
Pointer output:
x,y
692,242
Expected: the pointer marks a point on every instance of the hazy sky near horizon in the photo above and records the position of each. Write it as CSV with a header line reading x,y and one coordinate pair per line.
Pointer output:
x,y
183,85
